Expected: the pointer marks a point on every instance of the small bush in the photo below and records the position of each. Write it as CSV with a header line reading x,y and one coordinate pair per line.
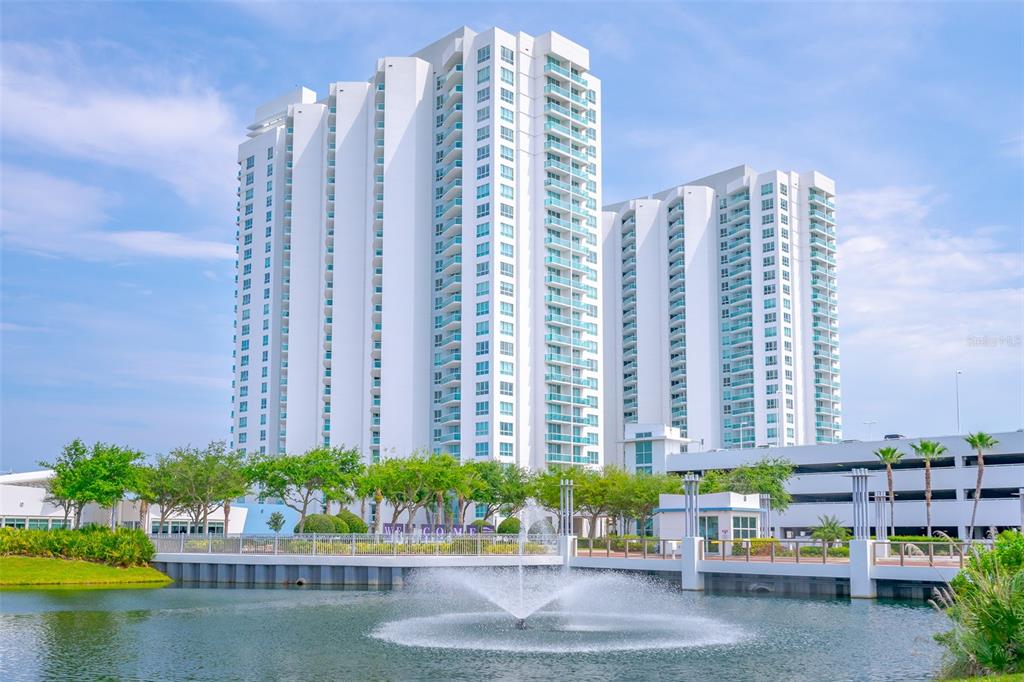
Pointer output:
x,y
815,551
921,538
122,547
480,523
354,523
758,547
322,524
510,525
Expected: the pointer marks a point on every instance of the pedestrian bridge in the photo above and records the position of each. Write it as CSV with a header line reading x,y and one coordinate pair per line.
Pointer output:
x,y
857,568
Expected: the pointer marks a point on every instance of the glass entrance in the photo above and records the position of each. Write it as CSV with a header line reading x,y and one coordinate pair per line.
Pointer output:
x,y
709,531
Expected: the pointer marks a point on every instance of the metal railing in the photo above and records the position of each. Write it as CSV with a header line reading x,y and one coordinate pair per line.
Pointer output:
x,y
627,548
483,544
774,550
914,553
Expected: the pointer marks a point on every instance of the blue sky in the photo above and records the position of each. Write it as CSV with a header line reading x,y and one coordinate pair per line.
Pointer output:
x,y
120,121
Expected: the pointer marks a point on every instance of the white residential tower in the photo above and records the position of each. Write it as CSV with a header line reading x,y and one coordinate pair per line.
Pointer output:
x,y
418,258
721,312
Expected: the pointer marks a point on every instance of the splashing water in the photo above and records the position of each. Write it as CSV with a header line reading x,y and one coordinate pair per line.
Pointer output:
x,y
576,612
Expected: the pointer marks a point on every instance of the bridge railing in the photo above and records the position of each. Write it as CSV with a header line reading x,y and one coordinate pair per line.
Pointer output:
x,y
803,550
918,553
628,548
482,544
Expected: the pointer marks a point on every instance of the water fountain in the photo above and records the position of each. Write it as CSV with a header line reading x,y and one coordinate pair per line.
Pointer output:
x,y
546,610
549,610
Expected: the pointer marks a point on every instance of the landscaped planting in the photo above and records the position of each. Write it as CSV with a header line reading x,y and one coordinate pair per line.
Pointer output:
x,y
122,547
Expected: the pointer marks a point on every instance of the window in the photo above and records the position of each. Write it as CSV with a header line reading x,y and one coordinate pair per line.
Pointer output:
x,y
744,527
507,115
483,191
507,96
507,368
508,172
505,449
505,408
483,75
507,55
483,152
482,408
766,188
505,428
483,94
483,428
483,249
506,75
483,171
483,54
483,449
483,132
483,367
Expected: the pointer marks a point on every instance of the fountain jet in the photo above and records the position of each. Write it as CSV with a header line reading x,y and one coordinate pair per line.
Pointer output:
x,y
521,624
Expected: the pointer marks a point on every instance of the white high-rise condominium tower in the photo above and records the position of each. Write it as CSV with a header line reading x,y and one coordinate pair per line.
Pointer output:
x,y
721,311
418,258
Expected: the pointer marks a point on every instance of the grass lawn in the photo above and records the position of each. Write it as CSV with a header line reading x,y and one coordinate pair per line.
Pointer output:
x,y
24,570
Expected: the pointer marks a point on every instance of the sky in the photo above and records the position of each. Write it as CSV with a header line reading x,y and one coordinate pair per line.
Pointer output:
x,y
119,125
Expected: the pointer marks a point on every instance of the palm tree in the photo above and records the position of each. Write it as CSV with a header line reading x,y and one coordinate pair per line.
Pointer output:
x,y
889,456
830,529
980,441
928,450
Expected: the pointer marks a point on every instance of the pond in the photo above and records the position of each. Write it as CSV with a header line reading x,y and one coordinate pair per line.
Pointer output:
x,y
602,627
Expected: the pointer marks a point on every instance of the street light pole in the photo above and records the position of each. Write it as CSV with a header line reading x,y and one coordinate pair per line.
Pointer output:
x,y
956,390
871,432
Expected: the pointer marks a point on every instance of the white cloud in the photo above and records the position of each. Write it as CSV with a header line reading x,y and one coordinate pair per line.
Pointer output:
x,y
174,129
45,214
170,244
919,301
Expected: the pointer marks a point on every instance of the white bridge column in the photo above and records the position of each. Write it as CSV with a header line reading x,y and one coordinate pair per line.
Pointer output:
x,y
862,584
692,552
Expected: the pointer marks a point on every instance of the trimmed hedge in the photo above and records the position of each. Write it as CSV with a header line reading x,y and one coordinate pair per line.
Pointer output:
x,y
122,547
354,523
510,526
921,538
323,524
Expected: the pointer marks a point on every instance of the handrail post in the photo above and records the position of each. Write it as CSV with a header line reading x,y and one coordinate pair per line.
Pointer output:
x,y
824,551
901,553
643,541
746,544
931,553
797,545
771,544
182,537
478,540
626,541
209,543
353,544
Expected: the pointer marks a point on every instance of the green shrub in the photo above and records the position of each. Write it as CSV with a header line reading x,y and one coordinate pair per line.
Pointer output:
x,y
921,538
480,523
986,604
815,551
122,547
510,526
354,523
323,524
618,543
758,547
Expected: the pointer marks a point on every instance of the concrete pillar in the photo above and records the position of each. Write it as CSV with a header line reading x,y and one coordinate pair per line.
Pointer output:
x,y
372,576
862,584
691,551
567,545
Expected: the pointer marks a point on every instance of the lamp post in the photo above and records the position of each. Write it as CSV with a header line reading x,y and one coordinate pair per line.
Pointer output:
x,y
871,431
956,393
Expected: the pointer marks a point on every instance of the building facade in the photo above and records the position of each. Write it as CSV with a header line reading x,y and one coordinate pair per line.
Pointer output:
x,y
721,311
821,484
418,258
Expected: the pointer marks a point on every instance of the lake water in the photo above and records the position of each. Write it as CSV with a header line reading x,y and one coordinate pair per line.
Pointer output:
x,y
619,629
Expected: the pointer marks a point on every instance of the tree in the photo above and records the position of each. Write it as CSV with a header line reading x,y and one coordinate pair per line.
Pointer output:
x,y
980,441
467,486
204,480
503,487
297,479
65,489
441,474
889,456
768,475
928,450
155,485
830,529
594,492
370,484
276,522
103,475
640,494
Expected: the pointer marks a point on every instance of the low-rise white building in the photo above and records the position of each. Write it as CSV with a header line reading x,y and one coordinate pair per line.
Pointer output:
x,y
821,482
23,504
722,517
